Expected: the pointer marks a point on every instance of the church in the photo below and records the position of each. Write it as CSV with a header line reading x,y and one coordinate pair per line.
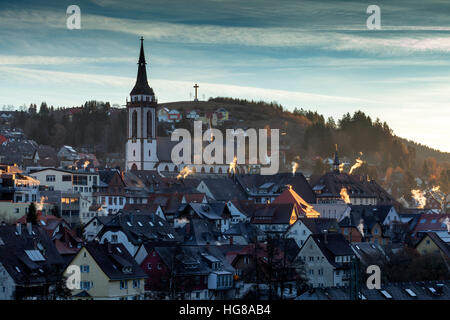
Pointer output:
x,y
144,150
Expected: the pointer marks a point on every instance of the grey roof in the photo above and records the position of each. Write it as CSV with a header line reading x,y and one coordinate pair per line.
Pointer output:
x,y
428,290
22,267
276,183
193,260
357,186
273,213
332,245
200,232
244,229
140,228
318,225
113,258
211,211
225,189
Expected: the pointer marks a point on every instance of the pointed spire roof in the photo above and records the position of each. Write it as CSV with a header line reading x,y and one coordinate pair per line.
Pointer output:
x,y
141,86
336,158
303,207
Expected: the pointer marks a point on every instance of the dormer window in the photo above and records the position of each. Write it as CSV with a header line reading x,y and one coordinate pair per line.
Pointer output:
x,y
127,270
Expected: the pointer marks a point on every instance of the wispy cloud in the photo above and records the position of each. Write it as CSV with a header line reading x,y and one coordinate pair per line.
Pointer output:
x,y
368,41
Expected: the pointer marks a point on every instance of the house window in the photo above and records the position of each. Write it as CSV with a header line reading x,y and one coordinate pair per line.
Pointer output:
x,y
114,238
66,177
136,284
134,124
123,285
50,178
149,266
84,268
159,266
86,285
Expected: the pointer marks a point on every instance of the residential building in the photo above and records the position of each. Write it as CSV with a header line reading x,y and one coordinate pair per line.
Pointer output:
x,y
108,272
30,265
327,258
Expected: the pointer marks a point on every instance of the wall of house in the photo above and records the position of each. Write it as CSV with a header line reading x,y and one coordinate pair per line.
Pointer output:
x,y
351,234
319,271
92,229
157,271
102,287
426,246
100,281
121,238
11,211
7,285
58,184
299,232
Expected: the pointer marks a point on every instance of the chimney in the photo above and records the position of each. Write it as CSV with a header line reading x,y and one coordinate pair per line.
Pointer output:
x,y
325,236
18,228
29,228
439,289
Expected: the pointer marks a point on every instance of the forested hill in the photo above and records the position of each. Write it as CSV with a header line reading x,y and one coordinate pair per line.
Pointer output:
x,y
306,136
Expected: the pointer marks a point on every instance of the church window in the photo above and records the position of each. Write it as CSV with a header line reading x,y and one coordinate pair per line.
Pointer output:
x,y
134,124
149,124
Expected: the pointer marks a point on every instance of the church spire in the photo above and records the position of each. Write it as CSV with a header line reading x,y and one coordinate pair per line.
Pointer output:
x,y
336,163
141,87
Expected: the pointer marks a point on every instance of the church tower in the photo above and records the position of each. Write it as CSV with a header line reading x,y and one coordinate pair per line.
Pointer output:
x,y
141,147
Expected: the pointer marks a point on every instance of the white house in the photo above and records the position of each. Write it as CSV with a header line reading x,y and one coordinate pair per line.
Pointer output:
x,y
332,210
193,115
66,180
163,115
327,260
174,116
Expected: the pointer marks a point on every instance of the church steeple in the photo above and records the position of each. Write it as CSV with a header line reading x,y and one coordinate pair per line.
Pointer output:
x,y
141,87
336,163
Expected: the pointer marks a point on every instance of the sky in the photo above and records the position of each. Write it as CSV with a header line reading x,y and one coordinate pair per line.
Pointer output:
x,y
317,55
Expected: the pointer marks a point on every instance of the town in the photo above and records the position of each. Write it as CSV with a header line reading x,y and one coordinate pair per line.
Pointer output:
x,y
146,228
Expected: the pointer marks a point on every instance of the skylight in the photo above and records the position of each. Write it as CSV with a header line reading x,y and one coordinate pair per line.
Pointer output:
x,y
129,224
150,223
411,293
386,294
160,223
139,223
118,249
34,255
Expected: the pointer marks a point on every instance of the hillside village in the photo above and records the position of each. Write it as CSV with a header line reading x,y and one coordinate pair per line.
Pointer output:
x,y
138,227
